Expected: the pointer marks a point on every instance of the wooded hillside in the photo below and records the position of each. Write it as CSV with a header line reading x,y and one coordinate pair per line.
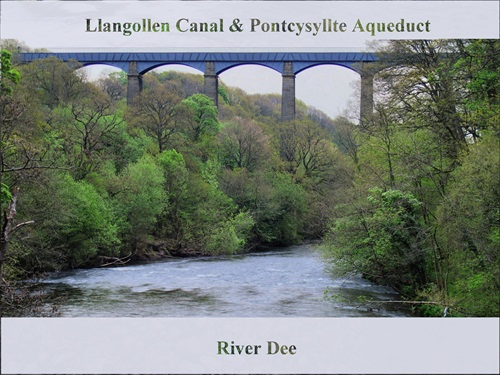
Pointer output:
x,y
409,199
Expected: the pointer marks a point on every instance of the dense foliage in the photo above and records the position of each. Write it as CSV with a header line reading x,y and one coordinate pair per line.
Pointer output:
x,y
167,175
409,198
424,212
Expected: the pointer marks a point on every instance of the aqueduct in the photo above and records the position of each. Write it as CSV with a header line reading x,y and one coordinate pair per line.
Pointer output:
x,y
212,64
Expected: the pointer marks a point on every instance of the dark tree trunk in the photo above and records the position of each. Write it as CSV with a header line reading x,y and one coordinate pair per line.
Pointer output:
x,y
8,227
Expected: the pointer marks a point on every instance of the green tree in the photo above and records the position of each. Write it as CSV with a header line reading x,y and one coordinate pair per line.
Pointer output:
x,y
114,85
253,193
244,144
230,237
8,75
172,220
86,225
203,117
159,112
469,231
477,66
420,83
55,82
287,220
93,121
346,136
139,198
305,149
74,225
207,210
383,239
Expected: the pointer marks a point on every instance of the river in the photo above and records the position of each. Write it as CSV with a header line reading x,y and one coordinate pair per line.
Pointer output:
x,y
278,283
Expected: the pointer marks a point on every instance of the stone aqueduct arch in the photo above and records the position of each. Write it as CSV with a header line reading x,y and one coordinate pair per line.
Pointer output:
x,y
212,64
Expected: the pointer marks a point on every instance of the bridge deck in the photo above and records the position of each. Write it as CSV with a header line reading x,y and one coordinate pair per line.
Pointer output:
x,y
223,61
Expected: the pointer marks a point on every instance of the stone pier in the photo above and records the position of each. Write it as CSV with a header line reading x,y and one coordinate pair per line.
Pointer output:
x,y
134,82
211,82
288,92
366,104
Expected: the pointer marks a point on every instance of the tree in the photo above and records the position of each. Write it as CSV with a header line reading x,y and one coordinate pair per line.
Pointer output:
x,y
54,81
306,150
469,230
384,240
346,137
8,226
321,118
420,82
383,129
87,125
86,223
230,237
114,85
203,117
436,114
8,76
75,225
185,84
477,66
23,147
159,112
287,220
139,198
171,222
244,144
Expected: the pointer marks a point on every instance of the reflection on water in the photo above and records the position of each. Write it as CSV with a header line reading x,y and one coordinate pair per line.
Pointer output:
x,y
289,282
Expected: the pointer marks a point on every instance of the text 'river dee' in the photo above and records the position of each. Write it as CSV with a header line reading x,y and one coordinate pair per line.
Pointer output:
x,y
225,348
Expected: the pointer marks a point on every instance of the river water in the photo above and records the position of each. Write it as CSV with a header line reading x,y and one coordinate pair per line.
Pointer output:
x,y
279,283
